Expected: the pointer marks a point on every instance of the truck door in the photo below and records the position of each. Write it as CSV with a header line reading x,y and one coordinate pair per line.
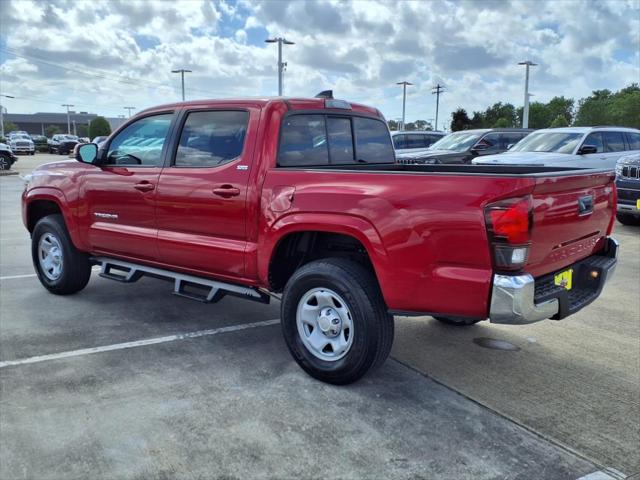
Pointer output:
x,y
201,198
120,194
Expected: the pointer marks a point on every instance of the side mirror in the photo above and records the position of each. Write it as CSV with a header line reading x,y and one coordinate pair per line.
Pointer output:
x,y
587,149
87,153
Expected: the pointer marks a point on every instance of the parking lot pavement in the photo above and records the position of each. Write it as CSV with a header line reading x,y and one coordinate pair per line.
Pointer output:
x,y
231,403
576,381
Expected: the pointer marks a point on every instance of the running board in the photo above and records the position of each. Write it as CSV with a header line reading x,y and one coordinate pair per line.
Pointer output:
x,y
194,288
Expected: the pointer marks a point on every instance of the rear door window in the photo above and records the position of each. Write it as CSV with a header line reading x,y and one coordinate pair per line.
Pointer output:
x,y
614,141
373,142
633,139
400,141
211,138
595,139
303,141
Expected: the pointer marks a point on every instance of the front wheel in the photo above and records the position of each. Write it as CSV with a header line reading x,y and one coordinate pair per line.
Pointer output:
x,y
61,268
5,163
334,320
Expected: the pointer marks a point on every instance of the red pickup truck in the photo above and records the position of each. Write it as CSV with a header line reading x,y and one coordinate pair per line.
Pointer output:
x,y
302,199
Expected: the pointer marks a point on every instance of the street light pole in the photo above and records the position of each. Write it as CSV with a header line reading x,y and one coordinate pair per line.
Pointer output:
x,y
525,110
129,110
182,71
404,99
281,65
437,90
68,117
2,115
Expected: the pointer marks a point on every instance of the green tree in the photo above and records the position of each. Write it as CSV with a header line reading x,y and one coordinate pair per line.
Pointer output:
x,y
393,125
421,124
10,127
51,130
460,120
625,107
99,127
595,109
83,130
560,106
559,121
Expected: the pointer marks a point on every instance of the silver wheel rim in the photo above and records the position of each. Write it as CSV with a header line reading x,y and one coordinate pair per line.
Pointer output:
x,y
3,163
50,256
325,324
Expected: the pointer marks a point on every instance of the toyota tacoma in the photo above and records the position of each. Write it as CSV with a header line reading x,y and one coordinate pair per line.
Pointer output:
x,y
302,199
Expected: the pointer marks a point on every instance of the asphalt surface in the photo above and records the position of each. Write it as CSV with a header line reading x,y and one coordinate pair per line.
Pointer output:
x,y
229,402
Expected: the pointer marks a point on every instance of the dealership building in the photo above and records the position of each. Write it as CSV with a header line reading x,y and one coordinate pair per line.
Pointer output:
x,y
37,123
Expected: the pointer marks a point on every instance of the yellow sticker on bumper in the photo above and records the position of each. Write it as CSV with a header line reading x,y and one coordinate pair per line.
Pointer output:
x,y
564,279
638,204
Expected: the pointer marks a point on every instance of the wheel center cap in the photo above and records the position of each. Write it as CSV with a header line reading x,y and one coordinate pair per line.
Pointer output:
x,y
329,322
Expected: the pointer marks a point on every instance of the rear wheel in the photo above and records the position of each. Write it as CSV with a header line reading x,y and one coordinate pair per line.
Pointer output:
x,y
458,321
61,268
628,219
334,320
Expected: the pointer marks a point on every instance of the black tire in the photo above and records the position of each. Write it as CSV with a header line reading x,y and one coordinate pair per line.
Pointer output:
x,y
76,268
372,324
458,321
5,163
628,219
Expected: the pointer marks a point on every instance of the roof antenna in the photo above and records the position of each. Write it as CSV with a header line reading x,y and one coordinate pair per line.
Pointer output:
x,y
325,94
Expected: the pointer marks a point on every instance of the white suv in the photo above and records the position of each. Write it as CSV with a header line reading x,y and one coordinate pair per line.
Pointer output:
x,y
583,147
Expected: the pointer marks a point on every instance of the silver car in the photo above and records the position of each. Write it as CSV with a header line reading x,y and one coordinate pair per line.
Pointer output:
x,y
582,147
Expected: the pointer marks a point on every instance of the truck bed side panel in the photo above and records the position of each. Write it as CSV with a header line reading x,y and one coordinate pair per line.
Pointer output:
x,y
436,256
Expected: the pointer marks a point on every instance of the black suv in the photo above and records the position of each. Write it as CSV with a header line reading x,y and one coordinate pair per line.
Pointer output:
x,y
62,144
464,146
628,185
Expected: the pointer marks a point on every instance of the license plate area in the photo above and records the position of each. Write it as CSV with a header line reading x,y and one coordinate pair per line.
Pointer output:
x,y
564,279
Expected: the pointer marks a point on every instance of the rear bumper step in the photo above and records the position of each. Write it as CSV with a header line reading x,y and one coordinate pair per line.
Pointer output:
x,y
189,286
521,299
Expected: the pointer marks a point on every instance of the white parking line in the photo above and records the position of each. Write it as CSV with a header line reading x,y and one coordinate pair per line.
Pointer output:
x,y
138,343
606,474
29,275
12,277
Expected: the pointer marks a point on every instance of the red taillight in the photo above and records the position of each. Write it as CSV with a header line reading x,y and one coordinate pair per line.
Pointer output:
x,y
509,225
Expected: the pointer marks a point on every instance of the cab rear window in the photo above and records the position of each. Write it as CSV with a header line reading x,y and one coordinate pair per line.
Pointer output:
x,y
321,140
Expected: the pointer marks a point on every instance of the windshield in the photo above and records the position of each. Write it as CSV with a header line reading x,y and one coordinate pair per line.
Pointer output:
x,y
558,142
457,142
69,137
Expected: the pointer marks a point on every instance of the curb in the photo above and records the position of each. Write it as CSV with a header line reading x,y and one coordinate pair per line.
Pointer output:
x,y
7,172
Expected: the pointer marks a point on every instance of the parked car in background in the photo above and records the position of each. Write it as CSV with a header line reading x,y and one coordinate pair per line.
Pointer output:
x,y
99,140
7,158
17,132
628,184
582,147
464,146
62,143
22,143
41,142
414,140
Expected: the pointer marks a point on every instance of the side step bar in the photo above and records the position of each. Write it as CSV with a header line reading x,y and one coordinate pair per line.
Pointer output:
x,y
195,288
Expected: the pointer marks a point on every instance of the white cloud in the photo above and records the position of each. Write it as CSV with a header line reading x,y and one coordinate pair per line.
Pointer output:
x,y
121,52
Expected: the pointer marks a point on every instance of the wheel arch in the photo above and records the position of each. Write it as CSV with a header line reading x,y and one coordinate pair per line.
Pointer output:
x,y
41,202
317,236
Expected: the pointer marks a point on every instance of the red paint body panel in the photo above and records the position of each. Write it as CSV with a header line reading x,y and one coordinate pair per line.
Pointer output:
x,y
424,232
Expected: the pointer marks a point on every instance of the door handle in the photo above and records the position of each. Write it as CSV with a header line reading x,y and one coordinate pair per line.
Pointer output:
x,y
144,186
226,191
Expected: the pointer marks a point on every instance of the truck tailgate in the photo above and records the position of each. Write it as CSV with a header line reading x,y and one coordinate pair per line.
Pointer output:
x,y
571,216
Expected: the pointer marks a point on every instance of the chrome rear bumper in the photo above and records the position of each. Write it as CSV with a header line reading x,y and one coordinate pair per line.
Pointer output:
x,y
513,298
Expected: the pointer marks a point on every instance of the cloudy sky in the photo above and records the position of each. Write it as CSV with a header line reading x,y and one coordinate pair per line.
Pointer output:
x,y
104,55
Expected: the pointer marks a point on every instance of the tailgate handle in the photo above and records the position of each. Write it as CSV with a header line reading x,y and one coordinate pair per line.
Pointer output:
x,y
585,205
